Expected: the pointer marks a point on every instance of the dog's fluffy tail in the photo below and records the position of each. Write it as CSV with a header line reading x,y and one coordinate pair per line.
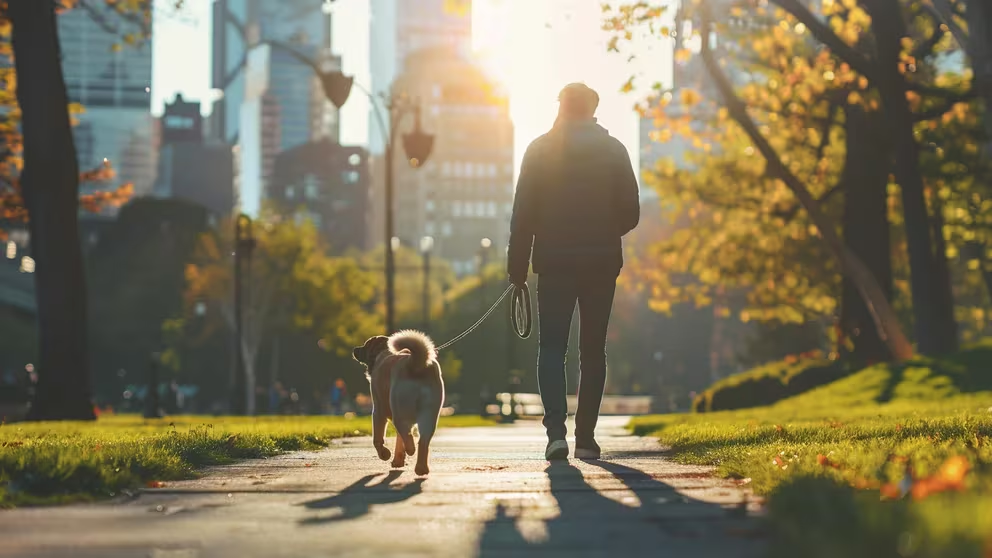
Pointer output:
x,y
418,344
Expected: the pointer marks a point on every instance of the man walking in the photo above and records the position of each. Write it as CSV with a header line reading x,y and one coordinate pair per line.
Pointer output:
x,y
576,198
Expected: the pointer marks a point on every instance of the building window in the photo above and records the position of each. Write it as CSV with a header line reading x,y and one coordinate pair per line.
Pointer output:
x,y
458,169
491,209
456,209
491,170
508,208
310,191
480,170
429,228
290,192
480,209
469,168
446,168
350,177
429,205
446,229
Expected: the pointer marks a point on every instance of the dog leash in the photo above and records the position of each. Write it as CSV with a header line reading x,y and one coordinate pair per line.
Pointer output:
x,y
519,302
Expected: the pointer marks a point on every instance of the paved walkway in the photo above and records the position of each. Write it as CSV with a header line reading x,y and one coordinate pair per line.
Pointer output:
x,y
490,494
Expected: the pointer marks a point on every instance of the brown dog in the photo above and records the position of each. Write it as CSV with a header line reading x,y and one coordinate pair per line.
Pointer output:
x,y
407,388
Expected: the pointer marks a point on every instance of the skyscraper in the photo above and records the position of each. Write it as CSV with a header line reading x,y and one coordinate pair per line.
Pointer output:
x,y
402,27
113,84
299,24
465,191
269,94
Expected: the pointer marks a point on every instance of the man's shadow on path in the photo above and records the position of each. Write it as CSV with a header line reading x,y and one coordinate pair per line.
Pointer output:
x,y
357,499
586,515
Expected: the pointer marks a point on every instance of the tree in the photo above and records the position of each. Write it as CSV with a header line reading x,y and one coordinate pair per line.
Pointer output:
x,y
292,285
887,83
44,190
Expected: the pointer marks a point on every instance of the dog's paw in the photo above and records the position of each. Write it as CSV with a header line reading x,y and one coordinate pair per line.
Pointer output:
x,y
422,470
398,463
384,453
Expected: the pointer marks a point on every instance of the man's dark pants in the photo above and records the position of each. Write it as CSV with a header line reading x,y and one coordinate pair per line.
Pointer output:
x,y
557,295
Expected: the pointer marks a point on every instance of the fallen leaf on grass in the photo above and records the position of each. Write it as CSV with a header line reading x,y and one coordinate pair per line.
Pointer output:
x,y
824,461
155,484
949,477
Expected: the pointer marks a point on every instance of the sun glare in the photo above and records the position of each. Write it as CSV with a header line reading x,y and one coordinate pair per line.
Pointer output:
x,y
535,47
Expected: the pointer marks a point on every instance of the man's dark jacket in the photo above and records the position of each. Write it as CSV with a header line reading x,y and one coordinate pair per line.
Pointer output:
x,y
576,197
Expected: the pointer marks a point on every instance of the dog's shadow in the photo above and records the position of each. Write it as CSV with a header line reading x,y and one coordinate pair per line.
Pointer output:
x,y
357,499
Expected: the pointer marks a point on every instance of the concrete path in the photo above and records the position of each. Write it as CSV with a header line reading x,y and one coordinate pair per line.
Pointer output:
x,y
490,494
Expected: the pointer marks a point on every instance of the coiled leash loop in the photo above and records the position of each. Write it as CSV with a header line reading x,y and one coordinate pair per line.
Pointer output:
x,y
519,301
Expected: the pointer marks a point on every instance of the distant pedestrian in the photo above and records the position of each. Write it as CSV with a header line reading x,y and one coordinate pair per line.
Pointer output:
x,y
576,198
339,393
276,396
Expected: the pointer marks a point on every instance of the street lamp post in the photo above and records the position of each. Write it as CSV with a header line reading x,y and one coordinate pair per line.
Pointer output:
x,y
244,244
426,245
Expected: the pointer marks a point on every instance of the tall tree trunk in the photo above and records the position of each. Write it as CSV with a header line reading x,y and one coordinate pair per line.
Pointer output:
x,y
942,278
930,320
50,184
866,230
979,15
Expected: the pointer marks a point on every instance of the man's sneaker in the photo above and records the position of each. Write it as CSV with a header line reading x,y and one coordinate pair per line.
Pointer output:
x,y
587,449
556,451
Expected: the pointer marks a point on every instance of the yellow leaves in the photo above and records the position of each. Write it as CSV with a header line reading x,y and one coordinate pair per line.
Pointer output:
x,y
689,97
661,136
457,7
628,86
682,55
914,100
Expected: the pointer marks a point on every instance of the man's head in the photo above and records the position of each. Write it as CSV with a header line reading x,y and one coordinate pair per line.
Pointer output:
x,y
577,101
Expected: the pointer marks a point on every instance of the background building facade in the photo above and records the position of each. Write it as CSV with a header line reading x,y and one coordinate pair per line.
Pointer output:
x,y
465,191
191,167
327,184
113,85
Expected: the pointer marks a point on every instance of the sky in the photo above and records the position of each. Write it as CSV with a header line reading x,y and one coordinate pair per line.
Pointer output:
x,y
533,46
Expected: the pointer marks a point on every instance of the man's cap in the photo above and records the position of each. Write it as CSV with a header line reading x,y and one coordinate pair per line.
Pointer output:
x,y
578,95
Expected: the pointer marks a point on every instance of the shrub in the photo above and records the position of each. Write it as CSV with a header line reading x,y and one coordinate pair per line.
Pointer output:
x,y
768,384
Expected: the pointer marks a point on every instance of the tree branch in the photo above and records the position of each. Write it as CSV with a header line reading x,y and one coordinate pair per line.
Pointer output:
x,y
944,12
822,32
98,17
925,48
949,100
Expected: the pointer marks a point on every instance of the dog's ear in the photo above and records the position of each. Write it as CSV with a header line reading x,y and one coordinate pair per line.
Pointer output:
x,y
356,354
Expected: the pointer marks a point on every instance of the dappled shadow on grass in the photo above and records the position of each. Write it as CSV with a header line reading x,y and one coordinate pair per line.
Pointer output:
x,y
655,520
358,499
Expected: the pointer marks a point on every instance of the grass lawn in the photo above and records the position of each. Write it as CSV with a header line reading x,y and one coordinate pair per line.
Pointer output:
x,y
44,463
892,461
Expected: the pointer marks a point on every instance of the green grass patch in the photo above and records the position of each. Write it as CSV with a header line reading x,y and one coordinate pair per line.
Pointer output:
x,y
868,428
45,463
